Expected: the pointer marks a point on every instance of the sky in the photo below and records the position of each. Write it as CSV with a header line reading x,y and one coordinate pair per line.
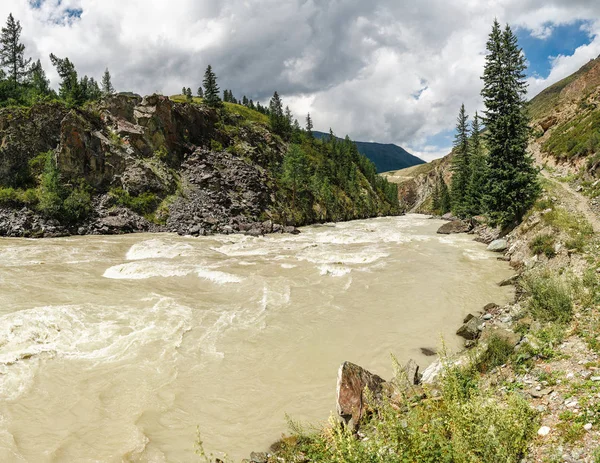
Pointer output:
x,y
390,71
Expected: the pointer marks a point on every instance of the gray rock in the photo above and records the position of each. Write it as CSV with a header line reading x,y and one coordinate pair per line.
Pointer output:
x,y
456,226
500,245
470,330
259,457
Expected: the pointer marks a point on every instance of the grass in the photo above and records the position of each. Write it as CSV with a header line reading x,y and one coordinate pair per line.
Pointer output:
x,y
144,204
497,353
578,229
465,425
550,297
543,244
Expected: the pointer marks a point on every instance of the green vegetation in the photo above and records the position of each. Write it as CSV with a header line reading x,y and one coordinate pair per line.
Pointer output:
x,y
497,353
465,425
504,183
329,180
577,137
461,166
211,89
550,297
441,200
543,244
144,204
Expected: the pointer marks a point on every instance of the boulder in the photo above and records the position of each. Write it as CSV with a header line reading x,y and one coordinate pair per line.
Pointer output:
x,y
548,123
351,383
429,352
510,337
500,245
432,372
456,226
449,216
470,330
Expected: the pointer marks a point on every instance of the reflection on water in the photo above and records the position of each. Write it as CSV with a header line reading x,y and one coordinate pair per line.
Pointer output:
x,y
116,348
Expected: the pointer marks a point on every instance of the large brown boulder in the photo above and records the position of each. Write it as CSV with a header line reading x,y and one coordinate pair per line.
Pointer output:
x,y
456,226
471,329
351,384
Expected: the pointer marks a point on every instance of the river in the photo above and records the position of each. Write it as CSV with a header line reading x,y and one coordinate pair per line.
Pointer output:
x,y
118,348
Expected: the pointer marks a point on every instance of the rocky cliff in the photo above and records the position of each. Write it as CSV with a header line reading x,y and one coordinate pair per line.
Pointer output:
x,y
130,164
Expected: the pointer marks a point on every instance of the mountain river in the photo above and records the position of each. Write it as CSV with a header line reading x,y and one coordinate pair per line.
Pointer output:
x,y
119,348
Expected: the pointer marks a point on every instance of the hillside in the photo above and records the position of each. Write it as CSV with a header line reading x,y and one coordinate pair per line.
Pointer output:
x,y
127,164
386,157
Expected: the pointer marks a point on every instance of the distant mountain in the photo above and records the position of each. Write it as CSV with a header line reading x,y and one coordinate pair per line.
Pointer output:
x,y
385,157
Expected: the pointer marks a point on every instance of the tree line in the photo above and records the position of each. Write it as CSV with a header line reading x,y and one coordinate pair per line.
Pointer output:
x,y
492,173
24,82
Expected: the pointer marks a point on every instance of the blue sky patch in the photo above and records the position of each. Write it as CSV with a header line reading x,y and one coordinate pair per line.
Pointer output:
x,y
564,40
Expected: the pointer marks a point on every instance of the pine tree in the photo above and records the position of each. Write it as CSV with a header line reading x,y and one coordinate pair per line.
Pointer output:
x,y
461,168
12,51
245,100
277,116
251,105
107,86
445,199
512,185
183,91
289,116
188,95
309,126
70,90
478,179
211,89
200,92
39,81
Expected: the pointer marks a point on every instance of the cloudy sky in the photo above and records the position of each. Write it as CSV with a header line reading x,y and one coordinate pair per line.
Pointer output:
x,y
392,71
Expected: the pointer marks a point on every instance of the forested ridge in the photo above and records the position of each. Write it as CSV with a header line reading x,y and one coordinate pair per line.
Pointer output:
x,y
103,154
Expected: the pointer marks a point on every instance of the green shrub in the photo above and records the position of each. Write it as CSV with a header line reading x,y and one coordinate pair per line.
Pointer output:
x,y
543,244
216,145
77,206
497,353
464,426
8,196
550,297
143,204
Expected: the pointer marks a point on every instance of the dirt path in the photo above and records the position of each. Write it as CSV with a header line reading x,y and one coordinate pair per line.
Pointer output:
x,y
571,198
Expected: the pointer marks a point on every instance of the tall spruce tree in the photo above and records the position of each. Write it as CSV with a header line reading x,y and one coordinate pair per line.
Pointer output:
x,y
39,81
309,126
12,52
461,166
445,199
279,122
478,179
200,92
107,86
512,184
211,89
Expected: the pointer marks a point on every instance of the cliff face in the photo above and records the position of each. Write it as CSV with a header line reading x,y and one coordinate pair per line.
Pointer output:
x,y
149,164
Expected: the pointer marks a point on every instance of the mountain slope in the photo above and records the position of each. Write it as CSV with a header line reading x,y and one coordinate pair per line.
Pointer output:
x,y
128,164
386,157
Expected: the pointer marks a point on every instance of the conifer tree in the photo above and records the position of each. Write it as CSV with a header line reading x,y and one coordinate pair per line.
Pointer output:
x,y
478,179
445,200
251,104
183,91
12,52
277,116
512,184
107,86
245,100
39,81
200,92
70,90
461,167
211,89
309,126
188,95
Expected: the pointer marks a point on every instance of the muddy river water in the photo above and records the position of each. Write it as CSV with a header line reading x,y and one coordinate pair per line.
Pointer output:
x,y
119,348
